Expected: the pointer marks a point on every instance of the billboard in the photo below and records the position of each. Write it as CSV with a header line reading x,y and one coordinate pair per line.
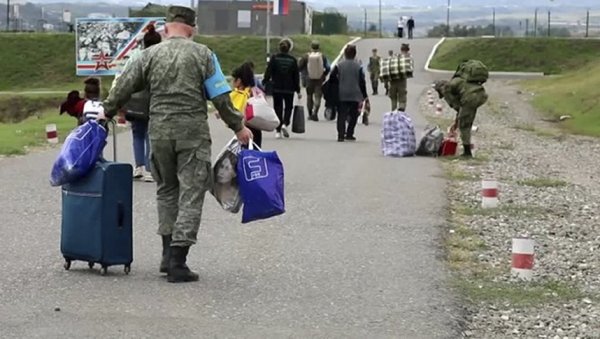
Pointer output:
x,y
103,45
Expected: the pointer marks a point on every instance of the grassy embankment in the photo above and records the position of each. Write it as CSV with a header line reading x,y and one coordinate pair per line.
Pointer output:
x,y
46,62
573,63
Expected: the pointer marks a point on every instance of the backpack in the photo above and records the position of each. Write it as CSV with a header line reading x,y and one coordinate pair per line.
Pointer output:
x,y
431,142
315,66
473,71
398,135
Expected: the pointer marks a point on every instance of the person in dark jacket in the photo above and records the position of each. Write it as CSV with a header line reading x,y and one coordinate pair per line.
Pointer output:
x,y
411,27
350,77
137,110
283,72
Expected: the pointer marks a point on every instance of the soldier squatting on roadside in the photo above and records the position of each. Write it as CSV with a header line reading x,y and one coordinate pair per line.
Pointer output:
x,y
180,75
465,94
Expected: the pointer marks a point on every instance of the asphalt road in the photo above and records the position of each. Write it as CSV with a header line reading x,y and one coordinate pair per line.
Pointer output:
x,y
355,256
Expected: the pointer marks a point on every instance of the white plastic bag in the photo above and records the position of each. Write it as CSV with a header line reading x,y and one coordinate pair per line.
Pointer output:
x,y
259,114
225,188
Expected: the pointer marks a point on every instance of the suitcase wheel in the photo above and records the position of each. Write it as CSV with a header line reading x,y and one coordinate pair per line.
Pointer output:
x,y
104,270
127,269
90,265
67,264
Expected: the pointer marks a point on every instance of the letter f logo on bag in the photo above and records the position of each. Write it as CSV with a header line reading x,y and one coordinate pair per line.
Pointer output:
x,y
255,168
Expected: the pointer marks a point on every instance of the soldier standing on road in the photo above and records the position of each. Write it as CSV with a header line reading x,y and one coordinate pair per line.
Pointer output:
x,y
316,67
180,75
373,68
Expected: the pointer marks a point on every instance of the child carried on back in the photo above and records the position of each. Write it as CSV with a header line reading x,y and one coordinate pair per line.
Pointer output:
x,y
87,108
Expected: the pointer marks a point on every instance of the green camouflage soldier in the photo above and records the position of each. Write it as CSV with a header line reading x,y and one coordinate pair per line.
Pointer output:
x,y
464,97
181,75
398,84
373,68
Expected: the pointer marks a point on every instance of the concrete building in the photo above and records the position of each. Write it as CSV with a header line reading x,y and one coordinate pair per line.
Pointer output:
x,y
249,18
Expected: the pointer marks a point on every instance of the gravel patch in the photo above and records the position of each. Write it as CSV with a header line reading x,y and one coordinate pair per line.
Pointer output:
x,y
548,191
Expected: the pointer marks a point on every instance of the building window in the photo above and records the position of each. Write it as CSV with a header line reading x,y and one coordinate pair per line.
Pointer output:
x,y
244,19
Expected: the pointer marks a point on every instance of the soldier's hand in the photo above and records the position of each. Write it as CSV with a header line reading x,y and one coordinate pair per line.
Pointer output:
x,y
244,136
299,96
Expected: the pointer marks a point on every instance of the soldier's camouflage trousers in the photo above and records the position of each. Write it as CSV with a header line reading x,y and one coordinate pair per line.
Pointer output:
x,y
398,94
183,175
466,117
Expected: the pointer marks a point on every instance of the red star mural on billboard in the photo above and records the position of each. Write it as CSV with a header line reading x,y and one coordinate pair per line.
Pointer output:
x,y
102,61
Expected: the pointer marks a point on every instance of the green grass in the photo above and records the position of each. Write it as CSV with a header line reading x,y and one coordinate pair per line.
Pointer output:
x,y
17,108
547,55
502,210
517,294
574,94
47,61
18,137
455,174
542,182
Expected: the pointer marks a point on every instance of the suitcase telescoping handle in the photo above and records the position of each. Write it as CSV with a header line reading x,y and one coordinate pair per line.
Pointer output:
x,y
114,134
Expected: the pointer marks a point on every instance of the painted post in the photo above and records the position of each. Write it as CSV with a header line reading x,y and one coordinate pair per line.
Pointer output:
x,y
522,258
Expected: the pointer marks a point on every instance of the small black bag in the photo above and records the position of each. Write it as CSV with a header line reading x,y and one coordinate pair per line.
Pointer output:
x,y
137,116
298,118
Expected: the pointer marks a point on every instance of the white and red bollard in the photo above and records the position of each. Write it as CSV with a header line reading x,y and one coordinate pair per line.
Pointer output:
x,y
439,109
522,258
489,193
51,134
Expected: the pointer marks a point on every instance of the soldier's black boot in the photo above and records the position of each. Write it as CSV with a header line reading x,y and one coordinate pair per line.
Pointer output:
x,y
166,251
467,152
178,270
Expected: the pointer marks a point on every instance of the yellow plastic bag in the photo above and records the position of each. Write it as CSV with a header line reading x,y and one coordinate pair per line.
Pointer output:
x,y
239,99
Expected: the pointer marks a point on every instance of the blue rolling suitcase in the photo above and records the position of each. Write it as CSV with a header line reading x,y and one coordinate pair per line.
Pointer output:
x,y
97,216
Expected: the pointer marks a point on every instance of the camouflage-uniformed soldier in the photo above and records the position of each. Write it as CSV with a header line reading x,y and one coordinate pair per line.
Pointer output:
x,y
180,75
373,68
464,97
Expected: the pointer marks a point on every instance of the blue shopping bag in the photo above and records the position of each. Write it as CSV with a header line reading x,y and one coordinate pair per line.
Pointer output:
x,y
79,153
260,179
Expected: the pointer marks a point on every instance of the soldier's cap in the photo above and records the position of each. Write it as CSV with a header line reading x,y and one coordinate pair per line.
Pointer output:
x,y
314,44
405,47
182,15
374,49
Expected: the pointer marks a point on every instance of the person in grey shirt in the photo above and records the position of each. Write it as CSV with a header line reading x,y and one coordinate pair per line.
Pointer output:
x,y
352,91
